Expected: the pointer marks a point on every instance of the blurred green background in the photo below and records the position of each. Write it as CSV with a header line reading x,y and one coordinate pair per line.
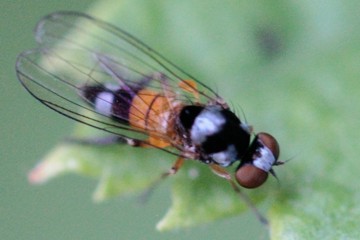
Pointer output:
x,y
294,67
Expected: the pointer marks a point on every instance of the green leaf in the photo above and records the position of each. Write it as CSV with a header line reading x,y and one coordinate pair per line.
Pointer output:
x,y
119,169
294,69
199,198
322,210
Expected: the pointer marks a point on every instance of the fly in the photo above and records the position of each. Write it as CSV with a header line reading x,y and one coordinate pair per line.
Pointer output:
x,y
101,76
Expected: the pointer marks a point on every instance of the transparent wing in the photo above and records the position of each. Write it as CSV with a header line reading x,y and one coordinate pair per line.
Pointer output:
x,y
76,50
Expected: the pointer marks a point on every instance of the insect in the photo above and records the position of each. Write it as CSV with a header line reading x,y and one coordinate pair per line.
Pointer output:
x,y
101,76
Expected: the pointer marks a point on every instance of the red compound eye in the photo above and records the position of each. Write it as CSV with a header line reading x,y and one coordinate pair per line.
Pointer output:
x,y
249,176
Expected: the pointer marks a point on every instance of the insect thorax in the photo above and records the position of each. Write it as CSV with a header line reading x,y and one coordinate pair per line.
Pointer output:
x,y
216,133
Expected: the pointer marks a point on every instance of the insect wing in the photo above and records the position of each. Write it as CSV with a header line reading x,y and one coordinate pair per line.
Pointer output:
x,y
76,50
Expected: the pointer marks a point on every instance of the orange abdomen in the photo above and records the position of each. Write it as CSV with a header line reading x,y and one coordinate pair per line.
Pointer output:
x,y
152,112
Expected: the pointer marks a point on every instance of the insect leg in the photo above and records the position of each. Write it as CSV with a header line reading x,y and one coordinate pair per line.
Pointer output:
x,y
175,167
173,170
224,174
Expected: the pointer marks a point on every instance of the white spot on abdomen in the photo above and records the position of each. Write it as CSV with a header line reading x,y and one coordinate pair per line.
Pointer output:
x,y
104,102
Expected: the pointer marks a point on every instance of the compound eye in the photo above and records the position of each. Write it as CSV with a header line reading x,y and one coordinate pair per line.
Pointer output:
x,y
270,142
249,176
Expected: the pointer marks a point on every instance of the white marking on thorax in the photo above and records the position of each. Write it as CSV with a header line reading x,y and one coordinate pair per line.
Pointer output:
x,y
104,102
226,157
207,123
266,159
